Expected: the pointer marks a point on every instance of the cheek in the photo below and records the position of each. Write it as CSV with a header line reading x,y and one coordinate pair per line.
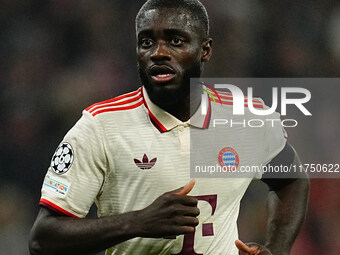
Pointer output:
x,y
187,59
141,58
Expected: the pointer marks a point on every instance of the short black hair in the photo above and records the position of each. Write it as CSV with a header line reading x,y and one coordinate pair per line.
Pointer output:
x,y
196,8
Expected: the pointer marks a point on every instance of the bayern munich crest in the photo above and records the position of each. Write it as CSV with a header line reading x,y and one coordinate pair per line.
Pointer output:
x,y
62,158
229,158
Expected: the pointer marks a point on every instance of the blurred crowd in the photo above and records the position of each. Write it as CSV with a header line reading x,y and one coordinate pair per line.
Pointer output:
x,y
59,56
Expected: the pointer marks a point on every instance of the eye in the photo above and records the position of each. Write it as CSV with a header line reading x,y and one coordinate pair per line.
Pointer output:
x,y
176,41
146,43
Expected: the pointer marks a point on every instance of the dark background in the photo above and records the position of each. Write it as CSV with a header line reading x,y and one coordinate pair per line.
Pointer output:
x,y
58,57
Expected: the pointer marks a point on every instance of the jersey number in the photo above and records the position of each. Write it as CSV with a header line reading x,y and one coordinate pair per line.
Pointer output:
x,y
207,228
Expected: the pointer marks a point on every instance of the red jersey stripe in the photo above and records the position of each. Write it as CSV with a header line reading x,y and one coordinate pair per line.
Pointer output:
x,y
114,99
117,103
246,105
255,106
113,109
222,92
156,123
246,99
229,94
45,202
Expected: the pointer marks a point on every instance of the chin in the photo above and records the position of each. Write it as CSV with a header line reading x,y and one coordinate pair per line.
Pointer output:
x,y
161,90
165,94
169,93
169,87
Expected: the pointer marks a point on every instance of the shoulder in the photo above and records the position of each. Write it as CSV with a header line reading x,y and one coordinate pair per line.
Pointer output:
x,y
123,102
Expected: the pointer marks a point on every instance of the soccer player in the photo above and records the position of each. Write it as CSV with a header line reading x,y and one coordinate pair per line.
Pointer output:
x,y
131,156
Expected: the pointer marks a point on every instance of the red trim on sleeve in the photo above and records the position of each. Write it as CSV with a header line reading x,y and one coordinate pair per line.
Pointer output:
x,y
54,207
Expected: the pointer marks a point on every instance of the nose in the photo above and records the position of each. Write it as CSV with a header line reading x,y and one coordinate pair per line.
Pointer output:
x,y
161,52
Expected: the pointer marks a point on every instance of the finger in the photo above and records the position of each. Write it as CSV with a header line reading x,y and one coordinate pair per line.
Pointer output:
x,y
192,211
187,188
187,221
176,191
184,230
190,221
243,247
186,200
174,231
256,249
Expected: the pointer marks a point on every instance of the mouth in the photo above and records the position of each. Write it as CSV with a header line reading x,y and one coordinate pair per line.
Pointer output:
x,y
162,73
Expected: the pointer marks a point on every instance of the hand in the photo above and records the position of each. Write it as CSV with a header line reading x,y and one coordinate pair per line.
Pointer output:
x,y
252,248
171,214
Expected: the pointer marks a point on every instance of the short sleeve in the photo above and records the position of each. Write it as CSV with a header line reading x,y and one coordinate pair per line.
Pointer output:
x,y
274,140
275,137
77,170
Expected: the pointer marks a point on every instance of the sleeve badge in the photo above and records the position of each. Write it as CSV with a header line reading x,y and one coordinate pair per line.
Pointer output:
x,y
62,158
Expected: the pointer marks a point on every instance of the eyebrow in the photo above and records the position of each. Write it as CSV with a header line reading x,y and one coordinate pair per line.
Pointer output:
x,y
169,31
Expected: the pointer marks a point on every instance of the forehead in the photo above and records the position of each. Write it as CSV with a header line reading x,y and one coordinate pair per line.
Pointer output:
x,y
165,18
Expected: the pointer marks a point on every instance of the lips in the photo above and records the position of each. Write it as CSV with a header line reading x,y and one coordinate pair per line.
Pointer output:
x,y
162,73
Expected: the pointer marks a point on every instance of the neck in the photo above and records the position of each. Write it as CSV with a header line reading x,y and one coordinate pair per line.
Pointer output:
x,y
182,108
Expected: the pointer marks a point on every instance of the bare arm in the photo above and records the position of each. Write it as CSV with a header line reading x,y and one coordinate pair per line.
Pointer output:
x,y
52,233
173,213
287,206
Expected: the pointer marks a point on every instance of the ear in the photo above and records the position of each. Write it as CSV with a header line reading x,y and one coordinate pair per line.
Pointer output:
x,y
206,50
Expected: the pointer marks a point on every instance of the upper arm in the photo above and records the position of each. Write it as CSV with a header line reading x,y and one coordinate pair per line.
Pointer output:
x,y
77,171
287,160
45,214
42,223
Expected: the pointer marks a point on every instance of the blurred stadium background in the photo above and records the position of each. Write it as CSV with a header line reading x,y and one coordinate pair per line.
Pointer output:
x,y
59,56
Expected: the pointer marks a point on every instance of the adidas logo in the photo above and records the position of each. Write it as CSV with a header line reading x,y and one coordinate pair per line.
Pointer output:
x,y
145,163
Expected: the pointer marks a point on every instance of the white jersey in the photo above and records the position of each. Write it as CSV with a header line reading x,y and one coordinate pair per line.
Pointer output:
x,y
125,152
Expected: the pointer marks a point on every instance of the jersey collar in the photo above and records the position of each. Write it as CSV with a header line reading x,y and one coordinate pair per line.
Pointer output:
x,y
164,121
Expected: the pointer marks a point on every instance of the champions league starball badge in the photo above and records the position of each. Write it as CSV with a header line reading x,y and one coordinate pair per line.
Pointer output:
x,y
62,158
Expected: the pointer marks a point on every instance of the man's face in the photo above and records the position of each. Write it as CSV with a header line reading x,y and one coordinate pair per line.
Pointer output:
x,y
170,51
